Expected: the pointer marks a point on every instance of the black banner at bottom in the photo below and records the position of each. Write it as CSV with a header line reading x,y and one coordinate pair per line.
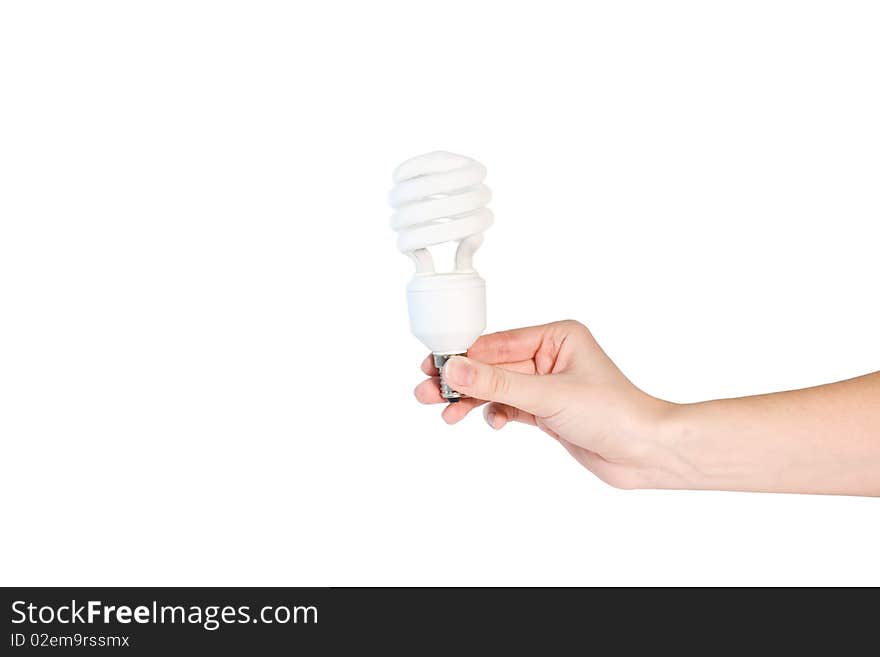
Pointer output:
x,y
416,620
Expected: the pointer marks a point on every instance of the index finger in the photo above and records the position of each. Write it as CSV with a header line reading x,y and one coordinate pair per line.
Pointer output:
x,y
509,346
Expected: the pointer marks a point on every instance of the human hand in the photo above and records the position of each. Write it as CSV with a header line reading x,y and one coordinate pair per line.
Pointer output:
x,y
556,377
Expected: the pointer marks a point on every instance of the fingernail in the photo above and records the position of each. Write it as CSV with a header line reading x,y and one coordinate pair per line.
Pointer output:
x,y
491,416
458,371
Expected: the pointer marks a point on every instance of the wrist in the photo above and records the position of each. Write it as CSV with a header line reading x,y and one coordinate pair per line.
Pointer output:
x,y
702,450
680,459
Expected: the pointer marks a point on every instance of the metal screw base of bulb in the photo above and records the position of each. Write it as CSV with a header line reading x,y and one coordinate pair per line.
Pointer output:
x,y
446,392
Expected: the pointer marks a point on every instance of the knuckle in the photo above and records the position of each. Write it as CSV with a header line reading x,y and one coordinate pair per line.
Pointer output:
x,y
572,325
575,328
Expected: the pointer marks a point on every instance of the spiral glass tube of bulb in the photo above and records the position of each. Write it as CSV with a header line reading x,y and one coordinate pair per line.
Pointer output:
x,y
440,197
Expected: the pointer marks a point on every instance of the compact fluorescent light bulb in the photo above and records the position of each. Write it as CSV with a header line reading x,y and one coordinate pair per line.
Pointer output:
x,y
440,197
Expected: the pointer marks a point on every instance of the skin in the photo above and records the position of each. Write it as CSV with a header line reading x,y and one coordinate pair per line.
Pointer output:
x,y
556,377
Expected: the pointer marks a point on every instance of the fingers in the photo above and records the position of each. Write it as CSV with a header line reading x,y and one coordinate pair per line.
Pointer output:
x,y
428,391
456,412
428,366
497,415
534,394
522,366
526,366
523,343
508,346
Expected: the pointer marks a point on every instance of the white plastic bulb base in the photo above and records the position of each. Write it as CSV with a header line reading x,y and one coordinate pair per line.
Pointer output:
x,y
447,313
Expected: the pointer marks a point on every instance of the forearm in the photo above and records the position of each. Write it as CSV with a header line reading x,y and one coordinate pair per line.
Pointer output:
x,y
817,440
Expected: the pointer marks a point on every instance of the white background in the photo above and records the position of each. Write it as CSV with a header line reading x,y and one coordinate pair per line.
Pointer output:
x,y
205,360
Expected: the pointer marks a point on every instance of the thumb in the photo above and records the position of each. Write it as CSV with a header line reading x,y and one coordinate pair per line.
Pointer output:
x,y
529,392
